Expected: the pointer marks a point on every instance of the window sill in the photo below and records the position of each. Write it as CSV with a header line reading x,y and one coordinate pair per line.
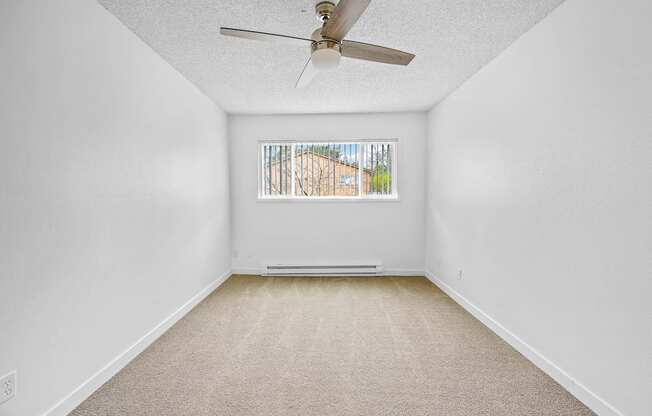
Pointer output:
x,y
330,199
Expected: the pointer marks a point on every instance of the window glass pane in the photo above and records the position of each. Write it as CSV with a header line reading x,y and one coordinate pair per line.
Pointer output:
x,y
314,170
326,169
377,169
277,170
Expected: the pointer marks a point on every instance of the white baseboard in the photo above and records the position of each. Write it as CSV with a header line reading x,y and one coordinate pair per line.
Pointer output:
x,y
257,271
81,393
586,396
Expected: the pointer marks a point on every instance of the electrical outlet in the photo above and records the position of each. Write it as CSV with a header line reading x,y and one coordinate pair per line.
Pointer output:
x,y
7,387
459,274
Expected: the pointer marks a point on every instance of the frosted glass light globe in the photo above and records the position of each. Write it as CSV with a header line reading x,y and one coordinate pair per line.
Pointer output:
x,y
325,59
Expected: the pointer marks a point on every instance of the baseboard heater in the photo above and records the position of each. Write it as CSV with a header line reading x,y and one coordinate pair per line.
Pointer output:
x,y
324,270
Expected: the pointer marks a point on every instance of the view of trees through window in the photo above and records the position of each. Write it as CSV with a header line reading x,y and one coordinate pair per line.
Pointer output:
x,y
304,170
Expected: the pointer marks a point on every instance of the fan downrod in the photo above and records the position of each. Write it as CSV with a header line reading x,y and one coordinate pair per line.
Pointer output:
x,y
323,10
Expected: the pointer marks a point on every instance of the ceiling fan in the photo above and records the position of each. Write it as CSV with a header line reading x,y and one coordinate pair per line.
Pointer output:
x,y
327,43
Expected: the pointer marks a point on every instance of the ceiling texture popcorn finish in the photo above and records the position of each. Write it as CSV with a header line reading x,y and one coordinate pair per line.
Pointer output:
x,y
452,39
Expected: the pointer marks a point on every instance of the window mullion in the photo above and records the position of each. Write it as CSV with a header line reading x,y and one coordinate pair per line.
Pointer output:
x,y
293,166
360,168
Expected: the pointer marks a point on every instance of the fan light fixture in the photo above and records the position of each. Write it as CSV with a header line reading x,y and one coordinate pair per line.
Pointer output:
x,y
326,59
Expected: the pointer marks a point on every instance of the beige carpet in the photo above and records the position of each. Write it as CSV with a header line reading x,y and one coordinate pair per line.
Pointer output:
x,y
330,346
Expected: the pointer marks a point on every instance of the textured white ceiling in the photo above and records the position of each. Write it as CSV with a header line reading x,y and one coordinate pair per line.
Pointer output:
x,y
452,39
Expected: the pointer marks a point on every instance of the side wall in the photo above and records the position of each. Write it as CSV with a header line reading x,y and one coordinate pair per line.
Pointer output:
x,y
539,190
310,231
113,195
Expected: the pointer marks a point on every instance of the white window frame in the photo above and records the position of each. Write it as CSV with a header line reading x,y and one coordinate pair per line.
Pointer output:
x,y
393,197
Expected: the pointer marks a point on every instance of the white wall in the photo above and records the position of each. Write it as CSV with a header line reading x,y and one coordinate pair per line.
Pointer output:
x,y
306,232
539,188
113,194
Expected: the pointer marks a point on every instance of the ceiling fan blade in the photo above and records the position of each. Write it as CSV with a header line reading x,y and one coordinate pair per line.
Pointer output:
x,y
309,72
265,36
369,52
344,16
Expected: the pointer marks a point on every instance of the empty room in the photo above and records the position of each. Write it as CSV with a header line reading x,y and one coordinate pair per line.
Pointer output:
x,y
325,208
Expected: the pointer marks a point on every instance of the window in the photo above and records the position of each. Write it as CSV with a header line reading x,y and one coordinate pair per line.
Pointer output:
x,y
347,180
327,170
